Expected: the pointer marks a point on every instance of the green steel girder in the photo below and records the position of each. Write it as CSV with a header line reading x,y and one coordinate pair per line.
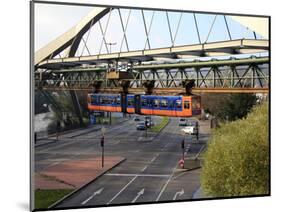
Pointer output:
x,y
239,73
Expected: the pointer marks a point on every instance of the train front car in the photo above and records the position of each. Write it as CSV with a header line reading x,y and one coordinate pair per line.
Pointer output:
x,y
104,102
174,106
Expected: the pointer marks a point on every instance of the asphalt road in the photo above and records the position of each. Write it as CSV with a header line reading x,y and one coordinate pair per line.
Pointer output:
x,y
150,172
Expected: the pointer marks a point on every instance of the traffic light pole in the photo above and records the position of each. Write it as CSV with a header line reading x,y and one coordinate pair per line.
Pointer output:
x,y
102,151
182,147
102,146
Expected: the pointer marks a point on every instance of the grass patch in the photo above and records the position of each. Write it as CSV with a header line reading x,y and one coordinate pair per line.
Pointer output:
x,y
45,198
105,120
159,127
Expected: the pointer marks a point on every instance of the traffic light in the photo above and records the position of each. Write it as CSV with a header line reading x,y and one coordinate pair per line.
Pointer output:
x,y
146,124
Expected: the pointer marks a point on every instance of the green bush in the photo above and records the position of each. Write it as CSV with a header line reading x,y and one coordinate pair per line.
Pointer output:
x,y
237,159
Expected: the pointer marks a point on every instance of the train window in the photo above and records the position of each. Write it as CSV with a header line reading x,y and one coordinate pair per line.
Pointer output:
x,y
92,99
143,102
118,100
178,103
156,103
186,104
130,102
105,100
170,103
109,100
164,103
150,102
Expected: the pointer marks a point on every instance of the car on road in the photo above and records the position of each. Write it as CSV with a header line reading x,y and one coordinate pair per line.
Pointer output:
x,y
141,126
183,122
192,128
136,119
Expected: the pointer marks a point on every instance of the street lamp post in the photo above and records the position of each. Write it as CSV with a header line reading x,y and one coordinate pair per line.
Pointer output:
x,y
110,44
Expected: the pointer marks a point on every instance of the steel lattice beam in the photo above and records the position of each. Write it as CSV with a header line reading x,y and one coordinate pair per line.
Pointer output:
x,y
250,74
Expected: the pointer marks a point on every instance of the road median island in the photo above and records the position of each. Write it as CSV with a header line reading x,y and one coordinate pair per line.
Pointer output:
x,y
57,182
158,128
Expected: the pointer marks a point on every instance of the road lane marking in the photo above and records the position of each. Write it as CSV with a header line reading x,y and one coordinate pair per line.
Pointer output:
x,y
166,184
201,149
153,159
139,194
92,196
137,175
144,168
116,195
179,193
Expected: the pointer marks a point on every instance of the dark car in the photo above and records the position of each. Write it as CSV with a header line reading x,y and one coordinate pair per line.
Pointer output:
x,y
136,119
141,126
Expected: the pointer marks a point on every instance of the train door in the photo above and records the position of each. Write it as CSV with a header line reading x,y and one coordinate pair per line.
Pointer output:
x,y
123,103
138,104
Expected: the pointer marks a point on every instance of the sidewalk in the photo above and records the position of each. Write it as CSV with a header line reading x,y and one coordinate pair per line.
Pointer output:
x,y
74,133
74,174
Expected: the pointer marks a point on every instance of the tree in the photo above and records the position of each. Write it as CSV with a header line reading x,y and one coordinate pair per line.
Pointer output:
x,y
237,159
228,106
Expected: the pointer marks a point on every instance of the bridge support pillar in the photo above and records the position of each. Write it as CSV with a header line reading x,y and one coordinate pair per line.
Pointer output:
x,y
96,86
188,85
125,84
76,106
149,85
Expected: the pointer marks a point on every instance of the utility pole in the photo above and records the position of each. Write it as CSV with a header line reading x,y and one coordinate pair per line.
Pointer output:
x,y
110,44
182,147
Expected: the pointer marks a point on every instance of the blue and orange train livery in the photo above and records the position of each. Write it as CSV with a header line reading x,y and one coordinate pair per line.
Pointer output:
x,y
175,106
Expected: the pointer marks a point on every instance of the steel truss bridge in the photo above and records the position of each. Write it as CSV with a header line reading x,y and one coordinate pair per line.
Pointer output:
x,y
73,62
236,75
165,66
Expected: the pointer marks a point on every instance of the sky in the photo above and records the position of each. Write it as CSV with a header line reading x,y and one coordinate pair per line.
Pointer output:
x,y
53,20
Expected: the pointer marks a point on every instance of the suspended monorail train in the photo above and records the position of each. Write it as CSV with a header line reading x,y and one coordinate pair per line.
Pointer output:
x,y
175,106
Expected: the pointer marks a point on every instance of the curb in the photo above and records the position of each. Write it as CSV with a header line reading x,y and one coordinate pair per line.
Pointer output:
x,y
63,132
69,131
84,185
